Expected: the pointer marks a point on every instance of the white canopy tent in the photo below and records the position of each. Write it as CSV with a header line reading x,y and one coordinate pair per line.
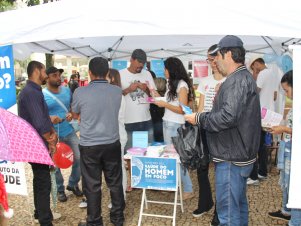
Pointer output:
x,y
162,28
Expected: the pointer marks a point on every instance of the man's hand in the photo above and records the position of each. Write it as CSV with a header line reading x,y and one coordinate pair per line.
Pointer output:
x,y
69,116
133,87
52,139
55,119
190,118
142,86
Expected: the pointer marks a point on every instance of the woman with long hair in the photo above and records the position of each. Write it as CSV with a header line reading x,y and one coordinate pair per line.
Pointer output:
x,y
179,91
114,79
284,158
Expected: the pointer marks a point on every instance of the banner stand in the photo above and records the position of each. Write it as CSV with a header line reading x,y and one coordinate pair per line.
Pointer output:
x,y
175,203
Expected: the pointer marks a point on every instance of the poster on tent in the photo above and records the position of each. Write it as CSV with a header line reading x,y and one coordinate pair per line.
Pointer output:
x,y
154,173
119,64
157,66
14,177
200,69
7,78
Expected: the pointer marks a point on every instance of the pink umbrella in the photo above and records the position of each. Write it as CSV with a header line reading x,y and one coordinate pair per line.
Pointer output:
x,y
20,142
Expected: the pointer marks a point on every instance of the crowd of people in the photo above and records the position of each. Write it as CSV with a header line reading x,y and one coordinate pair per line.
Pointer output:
x,y
112,106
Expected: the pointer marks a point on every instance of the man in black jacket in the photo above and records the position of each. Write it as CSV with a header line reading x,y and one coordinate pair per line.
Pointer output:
x,y
233,131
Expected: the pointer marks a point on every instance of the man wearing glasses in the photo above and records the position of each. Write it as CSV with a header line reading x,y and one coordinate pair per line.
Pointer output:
x,y
233,131
207,88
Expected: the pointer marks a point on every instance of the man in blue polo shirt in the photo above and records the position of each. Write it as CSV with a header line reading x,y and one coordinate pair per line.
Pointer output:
x,y
98,105
58,100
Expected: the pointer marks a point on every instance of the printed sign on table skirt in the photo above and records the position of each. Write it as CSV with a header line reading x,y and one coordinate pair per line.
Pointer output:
x,y
14,177
154,173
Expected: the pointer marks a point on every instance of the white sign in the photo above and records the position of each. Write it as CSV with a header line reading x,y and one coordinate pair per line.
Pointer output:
x,y
14,177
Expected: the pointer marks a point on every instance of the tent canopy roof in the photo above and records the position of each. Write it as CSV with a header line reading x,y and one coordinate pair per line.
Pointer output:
x,y
162,28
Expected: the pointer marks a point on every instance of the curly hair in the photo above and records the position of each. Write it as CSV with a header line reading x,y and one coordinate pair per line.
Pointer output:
x,y
177,72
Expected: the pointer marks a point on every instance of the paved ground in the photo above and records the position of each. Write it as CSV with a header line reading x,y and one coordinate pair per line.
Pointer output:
x,y
262,199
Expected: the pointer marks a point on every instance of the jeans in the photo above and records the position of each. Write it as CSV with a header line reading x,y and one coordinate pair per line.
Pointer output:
x,y
284,181
138,126
295,217
231,198
170,130
284,209
41,193
95,160
73,141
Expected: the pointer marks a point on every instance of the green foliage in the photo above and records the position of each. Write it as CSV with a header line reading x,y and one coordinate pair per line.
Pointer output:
x,y
6,5
33,2
49,60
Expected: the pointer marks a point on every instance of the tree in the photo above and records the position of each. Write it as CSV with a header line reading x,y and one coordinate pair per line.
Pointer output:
x,y
6,5
33,2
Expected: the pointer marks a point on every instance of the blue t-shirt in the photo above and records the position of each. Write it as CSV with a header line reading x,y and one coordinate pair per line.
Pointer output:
x,y
64,128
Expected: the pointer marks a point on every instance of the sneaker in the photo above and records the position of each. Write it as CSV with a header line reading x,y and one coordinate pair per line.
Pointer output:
x,y
279,215
75,190
215,220
252,182
83,204
61,196
187,195
56,216
198,213
262,177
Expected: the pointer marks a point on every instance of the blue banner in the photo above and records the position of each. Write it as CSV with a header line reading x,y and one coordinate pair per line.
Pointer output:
x,y
154,173
119,64
157,66
7,78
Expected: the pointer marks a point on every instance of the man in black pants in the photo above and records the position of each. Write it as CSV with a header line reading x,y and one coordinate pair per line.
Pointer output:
x,y
207,89
260,169
33,109
98,106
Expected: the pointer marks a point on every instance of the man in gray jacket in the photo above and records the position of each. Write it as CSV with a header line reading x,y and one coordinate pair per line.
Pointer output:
x,y
233,131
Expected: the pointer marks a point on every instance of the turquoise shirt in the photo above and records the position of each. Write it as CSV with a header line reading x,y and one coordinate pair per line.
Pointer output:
x,y
64,128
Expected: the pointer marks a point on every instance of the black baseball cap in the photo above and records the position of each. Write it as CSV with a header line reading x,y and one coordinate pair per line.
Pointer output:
x,y
227,42
140,55
53,70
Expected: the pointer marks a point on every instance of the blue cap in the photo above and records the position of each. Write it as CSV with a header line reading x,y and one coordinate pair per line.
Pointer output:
x,y
227,42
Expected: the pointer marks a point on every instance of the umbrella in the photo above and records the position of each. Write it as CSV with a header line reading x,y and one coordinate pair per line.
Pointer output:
x,y
20,142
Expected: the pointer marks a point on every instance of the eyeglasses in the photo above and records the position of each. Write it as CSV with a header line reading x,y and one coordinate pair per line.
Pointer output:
x,y
209,60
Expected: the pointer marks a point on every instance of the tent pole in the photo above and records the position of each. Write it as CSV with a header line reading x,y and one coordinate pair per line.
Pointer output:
x,y
269,44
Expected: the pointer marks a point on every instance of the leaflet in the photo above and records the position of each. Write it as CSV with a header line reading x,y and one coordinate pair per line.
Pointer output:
x,y
270,118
